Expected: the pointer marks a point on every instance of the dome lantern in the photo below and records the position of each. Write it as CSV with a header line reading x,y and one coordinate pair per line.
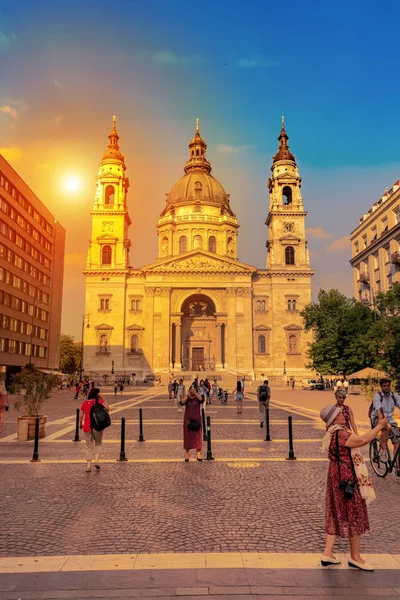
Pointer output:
x,y
113,151
283,150
197,153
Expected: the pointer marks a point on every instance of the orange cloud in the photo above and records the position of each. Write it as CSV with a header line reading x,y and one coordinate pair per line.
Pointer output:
x,y
339,245
318,232
11,154
9,110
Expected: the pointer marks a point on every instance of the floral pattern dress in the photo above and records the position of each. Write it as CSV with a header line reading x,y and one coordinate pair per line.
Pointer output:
x,y
343,518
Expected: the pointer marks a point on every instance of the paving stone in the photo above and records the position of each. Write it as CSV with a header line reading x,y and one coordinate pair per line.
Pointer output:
x,y
200,591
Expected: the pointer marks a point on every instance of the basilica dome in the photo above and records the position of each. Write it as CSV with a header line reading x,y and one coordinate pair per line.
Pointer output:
x,y
198,185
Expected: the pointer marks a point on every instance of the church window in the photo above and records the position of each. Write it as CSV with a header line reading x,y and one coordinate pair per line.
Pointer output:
x,y
134,343
137,304
289,305
258,305
106,254
102,304
197,152
292,342
293,304
287,195
289,255
261,344
109,195
182,244
107,304
197,242
197,208
212,244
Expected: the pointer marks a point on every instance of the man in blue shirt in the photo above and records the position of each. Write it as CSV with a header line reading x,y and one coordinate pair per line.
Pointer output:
x,y
384,403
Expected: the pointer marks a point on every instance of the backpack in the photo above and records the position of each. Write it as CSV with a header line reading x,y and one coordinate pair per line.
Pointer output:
x,y
99,417
371,407
264,392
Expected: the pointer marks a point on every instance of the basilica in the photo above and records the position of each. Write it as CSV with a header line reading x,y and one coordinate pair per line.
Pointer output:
x,y
197,307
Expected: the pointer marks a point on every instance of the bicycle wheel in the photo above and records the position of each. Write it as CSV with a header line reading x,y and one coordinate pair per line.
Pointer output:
x,y
379,466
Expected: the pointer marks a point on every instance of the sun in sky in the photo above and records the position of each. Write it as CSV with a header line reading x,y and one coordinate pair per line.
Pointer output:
x,y
72,184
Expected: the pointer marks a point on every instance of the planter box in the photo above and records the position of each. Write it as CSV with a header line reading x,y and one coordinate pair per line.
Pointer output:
x,y
26,427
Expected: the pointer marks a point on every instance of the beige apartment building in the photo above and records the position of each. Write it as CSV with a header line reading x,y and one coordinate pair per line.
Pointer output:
x,y
375,247
31,277
197,307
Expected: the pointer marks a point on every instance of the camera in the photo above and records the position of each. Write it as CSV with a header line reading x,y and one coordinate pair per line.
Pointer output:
x,y
348,489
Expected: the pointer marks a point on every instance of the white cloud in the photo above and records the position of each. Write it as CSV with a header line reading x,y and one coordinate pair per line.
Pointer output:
x,y
9,110
58,119
318,232
167,58
6,40
339,245
256,62
57,84
229,149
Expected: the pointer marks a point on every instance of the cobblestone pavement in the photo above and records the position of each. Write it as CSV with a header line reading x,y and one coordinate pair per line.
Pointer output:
x,y
260,503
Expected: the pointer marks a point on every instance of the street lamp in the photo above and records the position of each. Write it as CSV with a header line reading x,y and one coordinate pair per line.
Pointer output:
x,y
83,330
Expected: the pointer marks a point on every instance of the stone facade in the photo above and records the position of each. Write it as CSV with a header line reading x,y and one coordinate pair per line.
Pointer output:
x,y
375,247
197,307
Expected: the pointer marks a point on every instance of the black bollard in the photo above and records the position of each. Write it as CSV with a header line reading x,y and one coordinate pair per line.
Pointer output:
x,y
141,438
291,451
76,438
267,434
203,420
209,451
35,457
122,456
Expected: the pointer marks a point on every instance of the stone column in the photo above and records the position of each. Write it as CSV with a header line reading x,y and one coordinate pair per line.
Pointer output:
x,y
178,346
218,363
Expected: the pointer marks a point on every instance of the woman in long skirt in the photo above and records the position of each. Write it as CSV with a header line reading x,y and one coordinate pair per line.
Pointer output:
x,y
192,430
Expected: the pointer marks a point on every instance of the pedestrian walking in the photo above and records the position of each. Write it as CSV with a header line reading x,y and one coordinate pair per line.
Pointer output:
x,y
115,388
180,394
346,410
263,396
348,489
346,386
121,387
170,389
192,433
93,438
3,403
293,383
214,389
238,397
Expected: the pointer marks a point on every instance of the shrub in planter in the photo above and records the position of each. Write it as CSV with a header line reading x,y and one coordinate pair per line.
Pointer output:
x,y
33,388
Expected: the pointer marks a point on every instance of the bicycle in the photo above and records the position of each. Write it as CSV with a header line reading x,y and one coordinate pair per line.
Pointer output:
x,y
383,467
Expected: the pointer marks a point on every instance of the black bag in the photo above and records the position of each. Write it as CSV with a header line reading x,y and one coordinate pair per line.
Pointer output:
x,y
99,417
348,487
263,393
194,425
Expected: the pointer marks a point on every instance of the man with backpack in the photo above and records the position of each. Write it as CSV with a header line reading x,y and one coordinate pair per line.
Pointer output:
x,y
263,395
383,405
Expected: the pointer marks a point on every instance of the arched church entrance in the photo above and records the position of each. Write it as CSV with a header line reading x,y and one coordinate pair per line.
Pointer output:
x,y
199,343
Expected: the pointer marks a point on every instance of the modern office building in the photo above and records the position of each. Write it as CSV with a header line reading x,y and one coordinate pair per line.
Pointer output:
x,y
31,277
375,247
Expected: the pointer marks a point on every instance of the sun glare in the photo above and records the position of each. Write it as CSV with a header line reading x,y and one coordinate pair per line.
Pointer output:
x,y
72,184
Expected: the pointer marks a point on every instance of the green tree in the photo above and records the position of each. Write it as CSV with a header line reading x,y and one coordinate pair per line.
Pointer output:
x,y
70,354
337,324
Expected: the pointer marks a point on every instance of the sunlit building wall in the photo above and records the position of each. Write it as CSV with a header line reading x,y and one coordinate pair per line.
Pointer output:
x,y
375,247
32,246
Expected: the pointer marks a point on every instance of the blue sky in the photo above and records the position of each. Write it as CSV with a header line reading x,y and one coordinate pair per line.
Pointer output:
x,y
330,68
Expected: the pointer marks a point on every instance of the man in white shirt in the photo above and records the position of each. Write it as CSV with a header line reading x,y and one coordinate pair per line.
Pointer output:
x,y
383,404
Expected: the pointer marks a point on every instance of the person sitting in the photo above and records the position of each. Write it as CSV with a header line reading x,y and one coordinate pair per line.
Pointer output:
x,y
383,405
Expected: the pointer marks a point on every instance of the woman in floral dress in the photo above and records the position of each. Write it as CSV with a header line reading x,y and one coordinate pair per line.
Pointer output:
x,y
192,439
346,410
346,517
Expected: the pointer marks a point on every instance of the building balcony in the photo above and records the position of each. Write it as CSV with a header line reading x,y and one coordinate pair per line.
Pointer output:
x,y
365,278
395,258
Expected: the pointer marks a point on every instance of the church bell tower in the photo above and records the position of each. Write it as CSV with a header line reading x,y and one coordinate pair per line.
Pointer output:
x,y
109,243
287,245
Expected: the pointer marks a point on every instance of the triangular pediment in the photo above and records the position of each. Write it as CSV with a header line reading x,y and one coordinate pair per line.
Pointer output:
x,y
199,261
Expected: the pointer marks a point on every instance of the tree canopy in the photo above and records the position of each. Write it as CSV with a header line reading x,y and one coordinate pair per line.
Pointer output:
x,y
70,354
348,335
